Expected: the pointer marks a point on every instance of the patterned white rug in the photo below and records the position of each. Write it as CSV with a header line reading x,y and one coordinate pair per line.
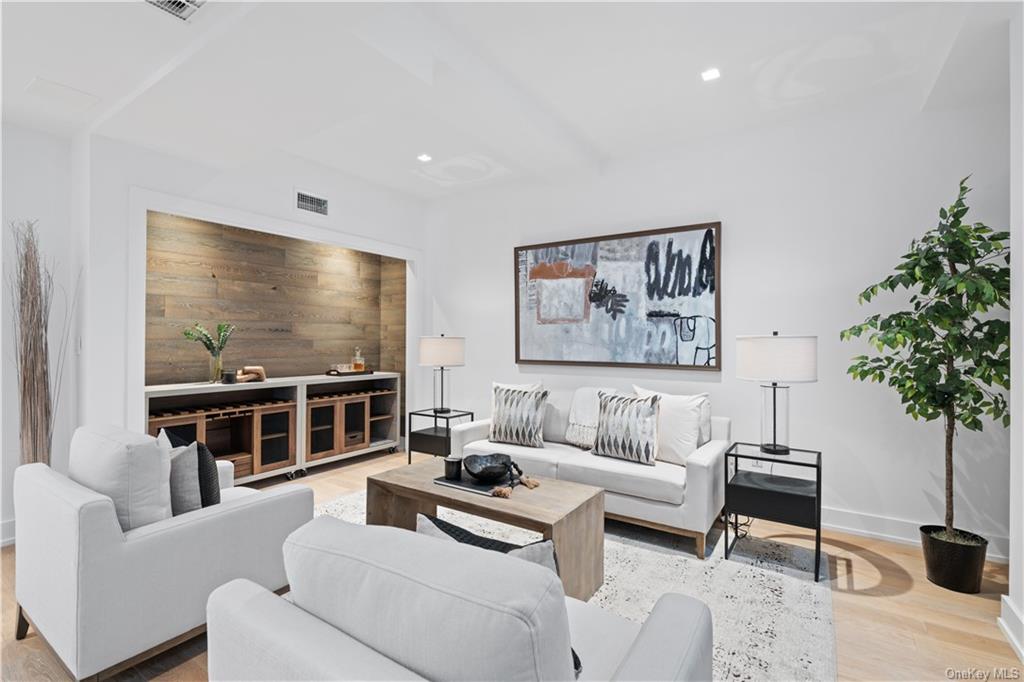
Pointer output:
x,y
771,620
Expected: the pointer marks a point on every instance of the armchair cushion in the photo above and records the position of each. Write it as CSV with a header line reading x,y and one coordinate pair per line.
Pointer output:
x,y
185,495
132,469
210,481
486,616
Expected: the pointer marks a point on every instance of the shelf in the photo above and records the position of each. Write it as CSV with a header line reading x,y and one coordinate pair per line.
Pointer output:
x,y
333,397
218,411
378,417
322,428
273,435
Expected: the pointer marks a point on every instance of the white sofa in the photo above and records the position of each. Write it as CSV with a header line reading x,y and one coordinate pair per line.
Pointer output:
x,y
381,603
100,596
681,500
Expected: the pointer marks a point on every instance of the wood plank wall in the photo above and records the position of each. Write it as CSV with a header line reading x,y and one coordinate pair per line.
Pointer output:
x,y
392,319
299,306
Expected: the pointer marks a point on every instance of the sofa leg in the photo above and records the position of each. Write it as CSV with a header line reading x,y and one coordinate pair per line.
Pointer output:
x,y
21,630
699,540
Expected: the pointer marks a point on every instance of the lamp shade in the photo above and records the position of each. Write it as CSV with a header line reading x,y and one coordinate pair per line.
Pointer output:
x,y
442,351
789,359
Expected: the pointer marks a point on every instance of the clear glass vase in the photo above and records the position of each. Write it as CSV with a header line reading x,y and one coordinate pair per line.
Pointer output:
x,y
216,368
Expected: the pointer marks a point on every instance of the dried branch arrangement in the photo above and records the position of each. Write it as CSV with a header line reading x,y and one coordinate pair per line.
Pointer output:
x,y
32,290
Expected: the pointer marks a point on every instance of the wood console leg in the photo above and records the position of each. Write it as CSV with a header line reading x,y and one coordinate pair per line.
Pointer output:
x,y
21,630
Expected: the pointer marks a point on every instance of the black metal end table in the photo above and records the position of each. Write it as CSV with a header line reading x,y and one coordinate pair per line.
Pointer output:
x,y
434,440
758,492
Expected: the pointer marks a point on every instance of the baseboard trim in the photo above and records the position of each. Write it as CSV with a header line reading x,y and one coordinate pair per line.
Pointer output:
x,y
1012,624
897,530
6,532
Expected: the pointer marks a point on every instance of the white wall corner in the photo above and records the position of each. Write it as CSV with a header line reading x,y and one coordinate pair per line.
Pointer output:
x,y
7,532
1012,624
1010,620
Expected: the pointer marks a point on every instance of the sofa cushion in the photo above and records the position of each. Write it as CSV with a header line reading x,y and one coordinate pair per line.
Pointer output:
x,y
518,417
627,428
443,610
541,552
209,479
185,495
600,637
516,387
534,461
662,482
684,424
129,468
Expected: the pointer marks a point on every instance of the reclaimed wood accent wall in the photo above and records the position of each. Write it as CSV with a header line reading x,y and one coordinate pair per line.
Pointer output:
x,y
392,319
299,306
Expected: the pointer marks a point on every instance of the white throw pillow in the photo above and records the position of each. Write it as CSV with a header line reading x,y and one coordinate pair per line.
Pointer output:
x,y
515,387
627,428
684,424
132,469
541,552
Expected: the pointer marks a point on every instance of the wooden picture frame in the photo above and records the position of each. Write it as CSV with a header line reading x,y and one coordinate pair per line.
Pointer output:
x,y
594,297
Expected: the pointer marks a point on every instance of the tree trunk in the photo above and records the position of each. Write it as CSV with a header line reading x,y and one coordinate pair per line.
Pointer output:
x,y
950,431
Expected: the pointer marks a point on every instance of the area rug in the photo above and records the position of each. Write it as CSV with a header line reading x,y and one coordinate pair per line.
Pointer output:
x,y
771,620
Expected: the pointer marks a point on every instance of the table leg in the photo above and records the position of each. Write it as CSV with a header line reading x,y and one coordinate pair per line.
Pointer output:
x,y
579,546
385,508
726,538
817,553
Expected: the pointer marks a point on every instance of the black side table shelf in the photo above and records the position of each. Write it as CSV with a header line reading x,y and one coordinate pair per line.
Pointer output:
x,y
783,499
436,439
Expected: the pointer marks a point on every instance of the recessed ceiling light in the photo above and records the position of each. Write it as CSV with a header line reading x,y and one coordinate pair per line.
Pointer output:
x,y
710,74
424,158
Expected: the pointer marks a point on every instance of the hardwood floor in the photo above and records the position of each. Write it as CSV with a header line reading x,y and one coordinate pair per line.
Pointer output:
x,y
891,623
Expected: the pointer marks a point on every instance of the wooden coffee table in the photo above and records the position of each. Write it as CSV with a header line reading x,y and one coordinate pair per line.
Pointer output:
x,y
569,514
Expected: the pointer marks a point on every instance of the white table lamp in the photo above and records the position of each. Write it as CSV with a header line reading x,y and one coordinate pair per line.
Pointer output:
x,y
775,361
442,352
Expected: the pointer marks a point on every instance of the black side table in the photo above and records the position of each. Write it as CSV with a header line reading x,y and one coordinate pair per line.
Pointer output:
x,y
765,495
436,439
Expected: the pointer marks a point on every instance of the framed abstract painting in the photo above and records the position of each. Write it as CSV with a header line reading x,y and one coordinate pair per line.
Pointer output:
x,y
640,299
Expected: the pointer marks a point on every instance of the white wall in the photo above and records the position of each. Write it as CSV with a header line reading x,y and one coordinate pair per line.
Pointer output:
x,y
36,185
811,214
264,189
1012,614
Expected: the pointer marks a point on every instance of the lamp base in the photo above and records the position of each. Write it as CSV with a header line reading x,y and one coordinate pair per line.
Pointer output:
x,y
442,410
774,449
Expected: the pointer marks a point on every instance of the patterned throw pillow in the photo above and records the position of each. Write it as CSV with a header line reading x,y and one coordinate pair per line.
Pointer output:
x,y
518,417
627,428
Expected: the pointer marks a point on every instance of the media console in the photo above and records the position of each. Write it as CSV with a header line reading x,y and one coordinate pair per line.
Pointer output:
x,y
285,424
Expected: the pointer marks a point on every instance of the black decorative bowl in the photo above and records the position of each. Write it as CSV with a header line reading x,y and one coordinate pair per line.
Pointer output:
x,y
487,468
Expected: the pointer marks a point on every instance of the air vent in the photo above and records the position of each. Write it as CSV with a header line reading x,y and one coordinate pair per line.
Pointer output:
x,y
308,202
182,9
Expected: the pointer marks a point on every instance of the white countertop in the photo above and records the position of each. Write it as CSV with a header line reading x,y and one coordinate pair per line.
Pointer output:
x,y
271,382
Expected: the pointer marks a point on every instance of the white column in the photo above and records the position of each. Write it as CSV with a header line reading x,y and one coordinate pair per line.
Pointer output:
x,y
1011,619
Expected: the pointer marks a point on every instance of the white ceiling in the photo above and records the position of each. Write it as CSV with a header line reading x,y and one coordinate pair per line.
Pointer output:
x,y
493,92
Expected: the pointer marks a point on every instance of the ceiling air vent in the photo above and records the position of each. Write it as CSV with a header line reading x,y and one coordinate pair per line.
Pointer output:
x,y
308,202
182,9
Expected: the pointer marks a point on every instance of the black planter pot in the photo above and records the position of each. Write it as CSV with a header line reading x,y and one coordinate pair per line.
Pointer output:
x,y
952,565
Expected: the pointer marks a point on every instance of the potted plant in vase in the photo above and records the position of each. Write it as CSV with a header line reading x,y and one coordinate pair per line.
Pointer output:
x,y
214,344
947,357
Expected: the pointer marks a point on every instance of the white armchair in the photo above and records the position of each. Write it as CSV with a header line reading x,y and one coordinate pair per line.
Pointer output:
x,y
100,596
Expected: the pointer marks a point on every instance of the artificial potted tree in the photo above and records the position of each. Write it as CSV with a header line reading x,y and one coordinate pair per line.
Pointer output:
x,y
948,357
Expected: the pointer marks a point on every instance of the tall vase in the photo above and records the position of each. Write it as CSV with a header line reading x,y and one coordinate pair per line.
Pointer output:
x,y
216,368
